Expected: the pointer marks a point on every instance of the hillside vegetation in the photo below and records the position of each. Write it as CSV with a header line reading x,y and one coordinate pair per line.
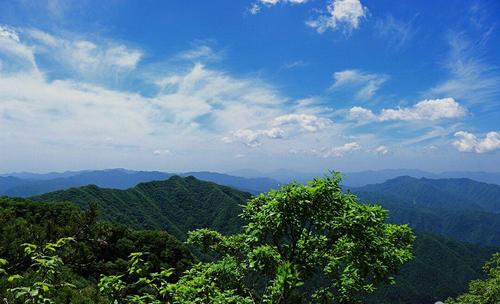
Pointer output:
x,y
177,205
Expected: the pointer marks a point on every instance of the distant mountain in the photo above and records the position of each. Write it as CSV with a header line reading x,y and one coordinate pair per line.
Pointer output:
x,y
43,176
177,205
362,178
252,185
113,178
30,184
9,182
461,209
464,194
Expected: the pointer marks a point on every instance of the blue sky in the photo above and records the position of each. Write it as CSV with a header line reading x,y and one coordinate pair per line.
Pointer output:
x,y
262,84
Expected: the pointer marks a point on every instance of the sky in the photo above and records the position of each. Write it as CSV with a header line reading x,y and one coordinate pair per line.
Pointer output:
x,y
221,85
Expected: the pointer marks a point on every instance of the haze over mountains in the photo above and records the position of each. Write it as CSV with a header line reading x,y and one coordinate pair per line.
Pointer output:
x,y
26,184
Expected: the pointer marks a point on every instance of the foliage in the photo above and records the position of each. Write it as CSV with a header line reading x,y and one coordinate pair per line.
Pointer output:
x,y
441,268
99,248
43,280
138,285
483,291
177,205
303,243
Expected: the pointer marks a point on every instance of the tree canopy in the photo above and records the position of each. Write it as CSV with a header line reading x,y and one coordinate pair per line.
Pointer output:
x,y
300,244
483,291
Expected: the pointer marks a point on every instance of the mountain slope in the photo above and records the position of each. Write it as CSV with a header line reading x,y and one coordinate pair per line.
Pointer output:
x,y
177,205
427,205
252,185
114,178
441,268
464,194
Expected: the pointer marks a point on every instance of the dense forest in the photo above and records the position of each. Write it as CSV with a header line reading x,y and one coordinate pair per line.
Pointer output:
x,y
102,247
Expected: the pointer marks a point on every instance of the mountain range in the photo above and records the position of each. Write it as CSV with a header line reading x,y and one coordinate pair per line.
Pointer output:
x,y
441,267
24,184
362,178
30,184
176,205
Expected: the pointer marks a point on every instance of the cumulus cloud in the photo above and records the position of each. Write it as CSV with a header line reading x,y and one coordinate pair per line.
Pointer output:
x,y
468,142
337,151
305,122
341,14
429,109
366,83
252,137
278,128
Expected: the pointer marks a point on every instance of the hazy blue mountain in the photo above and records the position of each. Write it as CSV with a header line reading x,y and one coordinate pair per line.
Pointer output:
x,y
7,182
454,194
464,225
113,178
252,185
461,209
362,178
29,184
43,176
485,177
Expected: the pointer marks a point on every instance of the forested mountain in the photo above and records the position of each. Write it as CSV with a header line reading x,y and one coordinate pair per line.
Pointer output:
x,y
455,194
441,267
177,205
30,184
253,185
363,178
98,248
449,207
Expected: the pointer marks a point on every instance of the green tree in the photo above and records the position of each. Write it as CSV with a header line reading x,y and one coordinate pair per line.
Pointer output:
x,y
483,291
42,284
138,285
301,244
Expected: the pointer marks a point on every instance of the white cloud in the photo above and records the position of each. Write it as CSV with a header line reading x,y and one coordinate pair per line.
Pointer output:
x,y
278,128
305,122
12,50
256,6
429,109
201,52
361,114
338,151
345,14
468,142
161,152
381,150
366,83
93,60
252,137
